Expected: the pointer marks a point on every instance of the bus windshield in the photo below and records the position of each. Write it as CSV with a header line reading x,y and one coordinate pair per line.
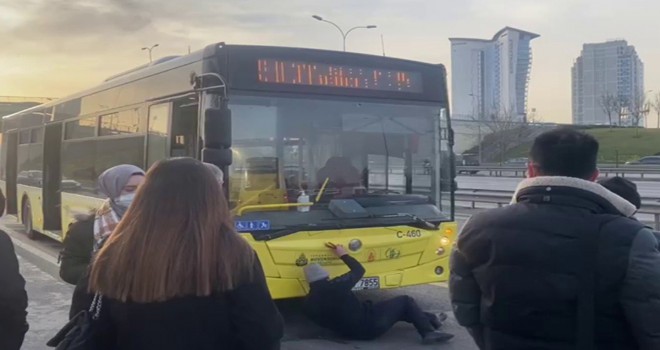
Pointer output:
x,y
284,146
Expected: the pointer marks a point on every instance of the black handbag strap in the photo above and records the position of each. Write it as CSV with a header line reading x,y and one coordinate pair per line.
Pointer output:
x,y
95,307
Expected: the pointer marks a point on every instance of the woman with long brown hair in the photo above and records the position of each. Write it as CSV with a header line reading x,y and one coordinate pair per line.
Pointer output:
x,y
176,275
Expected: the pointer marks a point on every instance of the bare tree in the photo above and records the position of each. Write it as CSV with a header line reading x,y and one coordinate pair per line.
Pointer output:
x,y
622,107
609,104
638,109
655,103
503,130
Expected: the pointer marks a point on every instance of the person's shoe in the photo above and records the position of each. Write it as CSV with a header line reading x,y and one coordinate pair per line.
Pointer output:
x,y
436,320
436,337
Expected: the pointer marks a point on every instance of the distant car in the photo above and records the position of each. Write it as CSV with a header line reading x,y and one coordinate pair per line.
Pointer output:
x,y
517,162
35,178
467,159
646,161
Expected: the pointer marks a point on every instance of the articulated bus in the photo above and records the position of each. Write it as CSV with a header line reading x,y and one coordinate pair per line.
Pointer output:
x,y
316,146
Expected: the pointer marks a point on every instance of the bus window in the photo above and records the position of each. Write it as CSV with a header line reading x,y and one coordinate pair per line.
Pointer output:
x,y
360,148
24,137
120,123
159,124
81,128
254,174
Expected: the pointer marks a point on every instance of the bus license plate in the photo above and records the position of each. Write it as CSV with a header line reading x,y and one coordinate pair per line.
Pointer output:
x,y
368,283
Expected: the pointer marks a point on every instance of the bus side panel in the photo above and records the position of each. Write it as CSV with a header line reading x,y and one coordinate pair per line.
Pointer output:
x,y
32,194
11,172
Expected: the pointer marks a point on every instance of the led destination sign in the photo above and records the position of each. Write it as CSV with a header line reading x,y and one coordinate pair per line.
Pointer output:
x,y
273,71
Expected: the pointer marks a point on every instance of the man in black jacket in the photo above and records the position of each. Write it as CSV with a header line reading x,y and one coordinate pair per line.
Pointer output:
x,y
564,266
13,298
332,304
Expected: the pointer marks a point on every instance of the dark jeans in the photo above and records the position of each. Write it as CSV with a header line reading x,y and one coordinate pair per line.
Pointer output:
x,y
401,308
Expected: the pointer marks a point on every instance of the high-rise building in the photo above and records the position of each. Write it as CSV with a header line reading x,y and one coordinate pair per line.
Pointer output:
x,y
490,77
605,69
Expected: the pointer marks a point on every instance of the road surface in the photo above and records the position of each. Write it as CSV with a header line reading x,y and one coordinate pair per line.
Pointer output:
x,y
49,300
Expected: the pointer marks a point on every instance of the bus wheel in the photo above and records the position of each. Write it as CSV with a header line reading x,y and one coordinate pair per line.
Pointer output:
x,y
27,220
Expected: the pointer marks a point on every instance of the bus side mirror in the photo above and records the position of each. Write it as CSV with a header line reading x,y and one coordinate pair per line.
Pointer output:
x,y
220,157
217,128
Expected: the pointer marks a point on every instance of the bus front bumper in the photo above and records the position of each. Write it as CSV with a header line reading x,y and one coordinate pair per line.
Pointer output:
x,y
432,272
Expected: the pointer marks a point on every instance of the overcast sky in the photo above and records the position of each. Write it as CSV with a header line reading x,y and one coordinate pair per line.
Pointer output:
x,y
57,47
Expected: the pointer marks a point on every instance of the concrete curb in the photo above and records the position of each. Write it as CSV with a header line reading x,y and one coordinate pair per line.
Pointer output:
x,y
36,256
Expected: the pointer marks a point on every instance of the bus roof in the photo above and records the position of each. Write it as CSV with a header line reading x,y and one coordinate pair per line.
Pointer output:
x,y
170,62
122,78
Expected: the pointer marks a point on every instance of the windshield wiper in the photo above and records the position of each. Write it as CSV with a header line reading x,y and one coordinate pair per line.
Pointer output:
x,y
416,218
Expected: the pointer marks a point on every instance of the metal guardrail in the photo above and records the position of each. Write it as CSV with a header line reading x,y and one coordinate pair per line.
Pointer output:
x,y
520,171
502,198
509,193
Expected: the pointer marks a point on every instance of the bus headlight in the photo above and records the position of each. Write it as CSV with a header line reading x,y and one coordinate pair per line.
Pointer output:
x,y
445,242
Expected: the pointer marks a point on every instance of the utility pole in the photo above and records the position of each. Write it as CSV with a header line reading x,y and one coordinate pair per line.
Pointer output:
x,y
382,44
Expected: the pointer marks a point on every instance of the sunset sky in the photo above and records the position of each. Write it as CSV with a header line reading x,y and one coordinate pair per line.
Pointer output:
x,y
57,47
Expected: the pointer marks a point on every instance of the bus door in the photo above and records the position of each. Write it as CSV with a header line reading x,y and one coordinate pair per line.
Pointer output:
x,y
52,177
184,140
173,130
11,172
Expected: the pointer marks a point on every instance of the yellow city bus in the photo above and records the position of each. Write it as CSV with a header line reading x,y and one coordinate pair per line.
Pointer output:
x,y
316,146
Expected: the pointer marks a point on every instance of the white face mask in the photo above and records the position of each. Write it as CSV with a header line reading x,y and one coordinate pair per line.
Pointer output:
x,y
125,200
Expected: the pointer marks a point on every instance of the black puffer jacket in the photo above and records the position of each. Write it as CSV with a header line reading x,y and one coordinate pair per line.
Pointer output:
x,y
77,252
13,298
561,265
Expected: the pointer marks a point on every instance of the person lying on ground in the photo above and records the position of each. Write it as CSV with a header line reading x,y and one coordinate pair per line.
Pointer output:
x,y
332,304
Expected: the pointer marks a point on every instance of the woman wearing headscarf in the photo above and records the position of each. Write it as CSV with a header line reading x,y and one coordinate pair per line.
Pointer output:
x,y
88,233
118,184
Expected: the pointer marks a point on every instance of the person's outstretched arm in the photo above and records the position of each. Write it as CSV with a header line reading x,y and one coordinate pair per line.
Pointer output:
x,y
349,279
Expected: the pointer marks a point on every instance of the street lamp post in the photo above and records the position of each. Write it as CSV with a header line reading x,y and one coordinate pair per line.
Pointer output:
x,y
343,34
149,49
474,103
